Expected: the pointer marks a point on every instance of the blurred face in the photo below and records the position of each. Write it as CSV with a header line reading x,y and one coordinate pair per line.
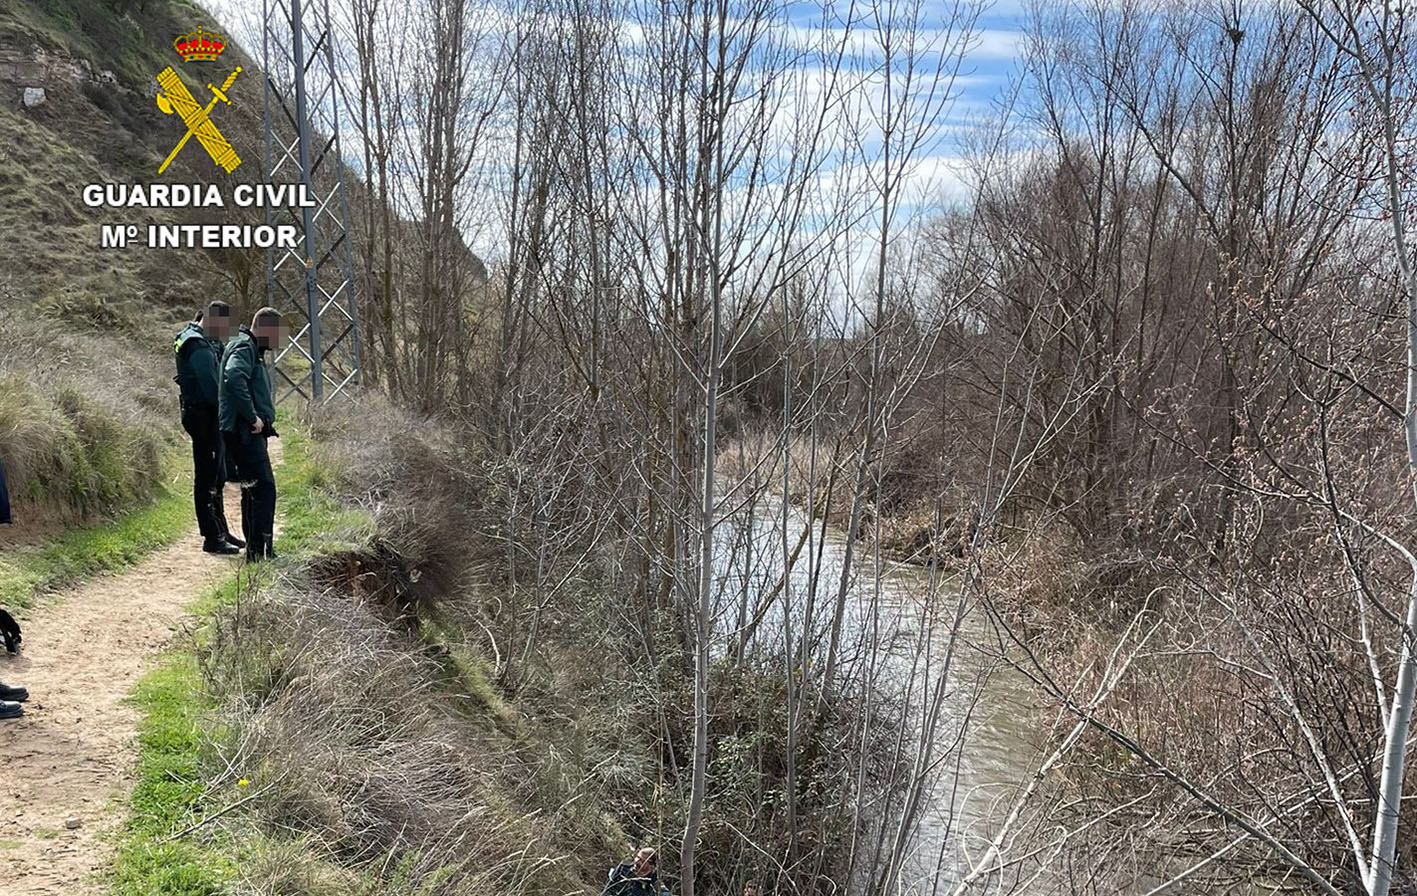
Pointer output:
x,y
270,335
217,327
644,862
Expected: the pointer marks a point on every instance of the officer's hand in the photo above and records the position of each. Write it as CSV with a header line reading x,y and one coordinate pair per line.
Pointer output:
x,y
259,425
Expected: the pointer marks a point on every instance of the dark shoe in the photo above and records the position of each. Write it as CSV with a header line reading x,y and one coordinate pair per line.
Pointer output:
x,y
232,539
9,710
212,546
16,694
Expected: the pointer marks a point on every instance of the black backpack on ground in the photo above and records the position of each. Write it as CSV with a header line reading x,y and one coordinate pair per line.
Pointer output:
x,y
10,631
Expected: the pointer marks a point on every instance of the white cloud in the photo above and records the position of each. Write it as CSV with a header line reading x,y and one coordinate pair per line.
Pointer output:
x,y
995,43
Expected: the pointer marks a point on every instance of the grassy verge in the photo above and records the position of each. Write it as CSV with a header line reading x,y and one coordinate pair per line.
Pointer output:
x,y
312,519
169,791
81,553
165,848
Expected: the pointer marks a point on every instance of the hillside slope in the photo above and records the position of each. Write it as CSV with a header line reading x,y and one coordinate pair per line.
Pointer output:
x,y
86,398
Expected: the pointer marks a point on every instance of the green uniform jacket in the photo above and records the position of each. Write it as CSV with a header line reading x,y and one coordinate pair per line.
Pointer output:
x,y
245,384
198,363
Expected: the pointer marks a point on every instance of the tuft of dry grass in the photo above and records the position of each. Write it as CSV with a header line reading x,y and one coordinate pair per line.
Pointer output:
x,y
755,457
83,433
346,726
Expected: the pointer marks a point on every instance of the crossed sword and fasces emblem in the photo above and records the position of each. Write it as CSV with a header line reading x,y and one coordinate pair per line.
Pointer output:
x,y
175,97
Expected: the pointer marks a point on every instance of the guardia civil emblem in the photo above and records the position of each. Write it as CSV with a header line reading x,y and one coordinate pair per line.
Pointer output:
x,y
175,98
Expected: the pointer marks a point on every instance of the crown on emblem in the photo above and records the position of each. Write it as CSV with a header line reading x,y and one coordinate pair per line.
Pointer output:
x,y
200,45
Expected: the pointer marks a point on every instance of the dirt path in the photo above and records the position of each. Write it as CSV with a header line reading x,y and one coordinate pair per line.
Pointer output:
x,y
72,755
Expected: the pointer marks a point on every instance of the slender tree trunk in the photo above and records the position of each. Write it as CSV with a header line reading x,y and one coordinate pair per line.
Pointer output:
x,y
1400,719
704,610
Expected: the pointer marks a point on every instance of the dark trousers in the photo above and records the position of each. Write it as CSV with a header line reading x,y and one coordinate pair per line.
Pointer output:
x,y
4,499
249,464
208,473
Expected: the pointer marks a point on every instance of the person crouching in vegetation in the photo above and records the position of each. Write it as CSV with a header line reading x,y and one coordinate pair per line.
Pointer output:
x,y
199,349
247,416
636,878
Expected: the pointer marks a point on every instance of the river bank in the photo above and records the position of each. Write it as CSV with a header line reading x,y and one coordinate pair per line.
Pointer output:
x,y
404,721
970,726
1015,779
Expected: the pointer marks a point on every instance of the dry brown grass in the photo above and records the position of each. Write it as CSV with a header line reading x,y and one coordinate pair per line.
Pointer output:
x,y
378,702
756,458
85,423
358,736
359,696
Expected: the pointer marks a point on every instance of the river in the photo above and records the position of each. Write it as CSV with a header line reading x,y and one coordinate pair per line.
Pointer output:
x,y
897,627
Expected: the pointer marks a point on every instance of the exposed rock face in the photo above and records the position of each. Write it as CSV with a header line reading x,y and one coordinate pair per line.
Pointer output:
x,y
19,65
30,71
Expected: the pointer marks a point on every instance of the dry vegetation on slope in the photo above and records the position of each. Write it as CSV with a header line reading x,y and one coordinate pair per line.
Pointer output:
x,y
86,400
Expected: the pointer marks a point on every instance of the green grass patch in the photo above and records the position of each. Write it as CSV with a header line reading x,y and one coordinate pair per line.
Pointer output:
x,y
468,675
169,795
313,520
80,553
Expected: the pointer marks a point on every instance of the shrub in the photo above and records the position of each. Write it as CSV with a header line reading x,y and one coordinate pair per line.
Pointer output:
x,y
82,436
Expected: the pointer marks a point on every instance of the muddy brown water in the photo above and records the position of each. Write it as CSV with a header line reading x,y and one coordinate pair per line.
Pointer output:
x,y
901,628
905,627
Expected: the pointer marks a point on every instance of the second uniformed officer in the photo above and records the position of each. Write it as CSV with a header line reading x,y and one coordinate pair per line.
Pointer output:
x,y
198,349
247,416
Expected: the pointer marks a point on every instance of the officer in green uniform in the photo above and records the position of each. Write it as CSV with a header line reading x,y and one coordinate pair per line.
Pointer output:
x,y
198,350
247,416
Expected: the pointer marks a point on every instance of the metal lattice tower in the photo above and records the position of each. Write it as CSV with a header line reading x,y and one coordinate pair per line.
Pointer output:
x,y
312,285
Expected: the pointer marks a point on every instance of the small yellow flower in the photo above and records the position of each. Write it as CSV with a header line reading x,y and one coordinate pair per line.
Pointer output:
x,y
243,783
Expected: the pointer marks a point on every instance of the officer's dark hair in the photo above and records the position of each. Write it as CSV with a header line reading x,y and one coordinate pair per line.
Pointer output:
x,y
218,309
266,317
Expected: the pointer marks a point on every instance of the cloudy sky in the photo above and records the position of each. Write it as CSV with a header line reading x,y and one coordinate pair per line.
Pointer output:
x,y
936,179
984,75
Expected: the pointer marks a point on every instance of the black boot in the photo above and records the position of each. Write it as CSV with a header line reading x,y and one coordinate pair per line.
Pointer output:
x,y
219,546
258,551
15,694
230,539
219,513
10,710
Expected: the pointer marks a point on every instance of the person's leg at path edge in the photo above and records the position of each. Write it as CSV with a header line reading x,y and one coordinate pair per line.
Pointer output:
x,y
263,499
218,486
206,459
202,476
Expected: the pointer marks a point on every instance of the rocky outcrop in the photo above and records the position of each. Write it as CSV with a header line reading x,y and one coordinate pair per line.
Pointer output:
x,y
28,74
